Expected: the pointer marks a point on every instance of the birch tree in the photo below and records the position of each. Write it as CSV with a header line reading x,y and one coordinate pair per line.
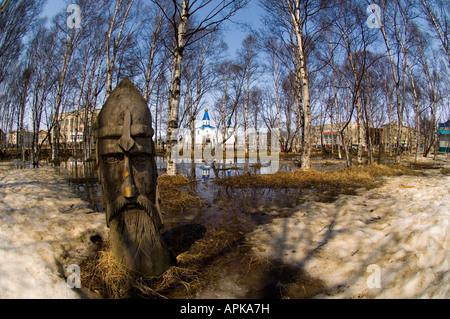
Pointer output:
x,y
293,16
272,47
70,38
189,20
44,77
117,22
393,15
437,15
3,6
17,18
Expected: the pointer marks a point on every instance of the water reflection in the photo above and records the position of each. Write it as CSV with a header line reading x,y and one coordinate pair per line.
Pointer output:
x,y
229,213
83,177
77,168
199,169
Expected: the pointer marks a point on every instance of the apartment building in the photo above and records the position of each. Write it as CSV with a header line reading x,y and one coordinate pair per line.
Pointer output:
x,y
329,135
72,126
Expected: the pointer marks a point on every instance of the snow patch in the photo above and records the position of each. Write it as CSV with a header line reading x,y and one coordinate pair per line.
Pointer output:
x,y
402,227
44,228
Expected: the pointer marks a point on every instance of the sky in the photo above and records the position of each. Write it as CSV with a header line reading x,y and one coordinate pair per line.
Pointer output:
x,y
233,35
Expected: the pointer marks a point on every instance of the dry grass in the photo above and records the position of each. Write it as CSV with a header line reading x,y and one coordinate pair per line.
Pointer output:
x,y
425,165
344,181
111,280
178,194
195,269
198,266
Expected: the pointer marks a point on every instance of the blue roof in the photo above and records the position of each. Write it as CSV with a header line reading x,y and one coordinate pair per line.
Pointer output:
x,y
206,116
206,126
446,124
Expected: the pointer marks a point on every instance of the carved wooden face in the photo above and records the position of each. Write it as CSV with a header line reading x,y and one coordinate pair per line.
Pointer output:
x,y
127,171
128,181
128,176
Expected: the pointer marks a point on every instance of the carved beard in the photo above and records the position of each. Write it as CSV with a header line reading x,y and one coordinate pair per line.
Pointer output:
x,y
121,205
135,237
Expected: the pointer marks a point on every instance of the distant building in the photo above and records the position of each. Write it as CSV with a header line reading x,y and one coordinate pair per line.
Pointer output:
x,y
71,126
14,136
43,139
206,134
389,138
329,135
2,138
444,137
386,135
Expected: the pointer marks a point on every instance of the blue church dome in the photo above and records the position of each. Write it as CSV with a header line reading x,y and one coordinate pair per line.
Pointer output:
x,y
206,116
206,121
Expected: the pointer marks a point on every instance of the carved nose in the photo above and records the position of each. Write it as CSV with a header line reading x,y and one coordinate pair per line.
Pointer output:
x,y
129,188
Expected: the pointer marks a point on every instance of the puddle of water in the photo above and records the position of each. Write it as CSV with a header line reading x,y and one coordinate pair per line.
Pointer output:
x,y
228,216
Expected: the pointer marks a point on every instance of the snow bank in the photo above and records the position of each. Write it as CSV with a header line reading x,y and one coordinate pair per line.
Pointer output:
x,y
389,242
44,228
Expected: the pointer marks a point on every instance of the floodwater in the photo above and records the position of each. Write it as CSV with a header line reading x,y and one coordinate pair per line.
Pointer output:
x,y
228,216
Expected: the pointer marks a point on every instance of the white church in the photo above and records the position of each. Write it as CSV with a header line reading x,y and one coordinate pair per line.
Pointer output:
x,y
207,134
208,137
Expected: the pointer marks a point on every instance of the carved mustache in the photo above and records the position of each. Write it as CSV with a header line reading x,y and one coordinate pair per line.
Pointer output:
x,y
121,204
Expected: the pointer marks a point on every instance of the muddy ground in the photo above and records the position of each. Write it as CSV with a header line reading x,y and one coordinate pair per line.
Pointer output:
x,y
209,224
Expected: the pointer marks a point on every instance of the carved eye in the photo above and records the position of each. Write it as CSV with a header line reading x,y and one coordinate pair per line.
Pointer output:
x,y
113,158
140,159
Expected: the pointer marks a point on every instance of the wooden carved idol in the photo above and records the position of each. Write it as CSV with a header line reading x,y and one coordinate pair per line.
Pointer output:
x,y
128,178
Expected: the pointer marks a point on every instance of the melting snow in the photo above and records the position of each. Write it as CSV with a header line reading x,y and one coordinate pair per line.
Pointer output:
x,y
397,234
389,242
44,228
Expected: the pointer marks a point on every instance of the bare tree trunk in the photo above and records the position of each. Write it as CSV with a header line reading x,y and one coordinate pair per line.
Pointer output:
x,y
111,58
23,102
336,107
417,112
442,34
397,94
359,125
249,59
304,98
389,109
87,136
277,95
67,56
172,126
151,57
3,7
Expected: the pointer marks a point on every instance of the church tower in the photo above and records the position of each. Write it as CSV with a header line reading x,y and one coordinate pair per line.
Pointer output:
x,y
206,121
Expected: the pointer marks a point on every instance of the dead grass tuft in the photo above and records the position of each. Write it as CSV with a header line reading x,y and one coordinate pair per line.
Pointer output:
x,y
111,280
173,181
344,181
104,275
178,194
425,165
